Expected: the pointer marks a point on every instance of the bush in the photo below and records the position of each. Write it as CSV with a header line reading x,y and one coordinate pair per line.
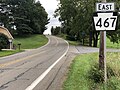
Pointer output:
x,y
71,38
3,41
97,75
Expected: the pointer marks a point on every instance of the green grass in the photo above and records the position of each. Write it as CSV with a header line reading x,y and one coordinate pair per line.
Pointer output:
x,y
76,43
109,44
31,42
112,45
8,52
70,42
79,71
62,36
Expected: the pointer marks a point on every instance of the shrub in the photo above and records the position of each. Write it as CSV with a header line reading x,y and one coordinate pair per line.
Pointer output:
x,y
97,75
71,38
3,41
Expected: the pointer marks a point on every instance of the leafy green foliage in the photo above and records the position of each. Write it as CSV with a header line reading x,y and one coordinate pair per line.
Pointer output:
x,y
52,30
56,30
77,17
97,75
3,41
23,17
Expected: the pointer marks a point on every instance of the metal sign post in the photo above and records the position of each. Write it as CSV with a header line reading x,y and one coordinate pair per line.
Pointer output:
x,y
10,40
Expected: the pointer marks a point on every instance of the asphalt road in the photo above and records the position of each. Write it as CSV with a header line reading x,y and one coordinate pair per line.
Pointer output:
x,y
38,69
85,49
44,68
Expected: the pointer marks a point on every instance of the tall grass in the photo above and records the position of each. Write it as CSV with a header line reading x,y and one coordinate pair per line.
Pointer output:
x,y
80,70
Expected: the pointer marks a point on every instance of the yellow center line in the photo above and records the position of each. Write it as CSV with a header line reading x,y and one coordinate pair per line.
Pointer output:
x,y
19,60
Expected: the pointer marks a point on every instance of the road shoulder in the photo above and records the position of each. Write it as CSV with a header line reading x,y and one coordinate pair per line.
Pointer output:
x,y
57,83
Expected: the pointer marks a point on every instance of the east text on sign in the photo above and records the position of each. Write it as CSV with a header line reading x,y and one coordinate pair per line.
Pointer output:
x,y
104,7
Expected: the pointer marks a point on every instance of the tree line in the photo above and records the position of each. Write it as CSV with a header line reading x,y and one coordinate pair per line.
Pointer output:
x,y
76,17
23,17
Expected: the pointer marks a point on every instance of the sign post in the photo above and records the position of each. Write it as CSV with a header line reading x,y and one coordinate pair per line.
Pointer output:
x,y
104,19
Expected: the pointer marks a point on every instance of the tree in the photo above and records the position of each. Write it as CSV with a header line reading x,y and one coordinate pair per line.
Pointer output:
x,y
76,17
27,17
67,13
56,30
52,30
38,18
3,42
5,13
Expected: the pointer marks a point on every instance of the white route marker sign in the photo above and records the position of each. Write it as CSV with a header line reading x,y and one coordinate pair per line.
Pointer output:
x,y
105,21
104,7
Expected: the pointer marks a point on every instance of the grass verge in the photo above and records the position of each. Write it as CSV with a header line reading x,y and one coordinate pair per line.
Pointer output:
x,y
70,42
76,43
78,76
109,44
9,52
31,42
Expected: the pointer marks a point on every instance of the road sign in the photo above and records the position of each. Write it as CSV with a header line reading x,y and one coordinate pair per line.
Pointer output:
x,y
104,7
105,21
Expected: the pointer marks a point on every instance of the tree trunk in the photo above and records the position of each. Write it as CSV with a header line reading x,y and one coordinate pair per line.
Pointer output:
x,y
83,41
95,42
95,39
78,36
90,38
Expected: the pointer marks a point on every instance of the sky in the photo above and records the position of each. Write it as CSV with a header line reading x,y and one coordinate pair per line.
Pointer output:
x,y
50,6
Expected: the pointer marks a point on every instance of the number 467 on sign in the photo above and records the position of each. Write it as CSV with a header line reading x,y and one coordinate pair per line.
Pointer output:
x,y
105,21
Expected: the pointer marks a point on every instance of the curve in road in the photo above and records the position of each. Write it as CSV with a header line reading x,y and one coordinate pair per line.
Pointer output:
x,y
19,71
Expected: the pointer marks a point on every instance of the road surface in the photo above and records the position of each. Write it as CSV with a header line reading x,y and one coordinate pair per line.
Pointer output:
x,y
85,49
38,69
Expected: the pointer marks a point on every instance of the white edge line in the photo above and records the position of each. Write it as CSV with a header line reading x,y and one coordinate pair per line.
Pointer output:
x,y
42,76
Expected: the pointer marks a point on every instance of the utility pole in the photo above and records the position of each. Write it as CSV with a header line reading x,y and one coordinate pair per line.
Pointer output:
x,y
102,52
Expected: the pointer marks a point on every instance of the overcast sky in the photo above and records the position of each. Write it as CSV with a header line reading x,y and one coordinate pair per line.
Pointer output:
x,y
50,6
